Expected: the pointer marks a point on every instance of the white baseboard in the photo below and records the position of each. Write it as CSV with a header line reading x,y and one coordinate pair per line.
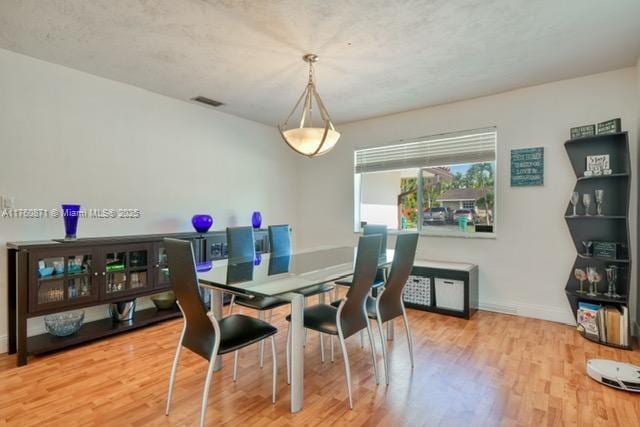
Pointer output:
x,y
535,311
4,344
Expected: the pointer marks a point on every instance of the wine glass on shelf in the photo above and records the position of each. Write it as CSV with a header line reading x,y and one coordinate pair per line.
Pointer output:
x,y
587,247
581,276
594,278
575,198
586,201
599,199
612,278
612,275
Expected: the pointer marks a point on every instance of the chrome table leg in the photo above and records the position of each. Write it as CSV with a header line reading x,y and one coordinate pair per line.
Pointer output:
x,y
297,352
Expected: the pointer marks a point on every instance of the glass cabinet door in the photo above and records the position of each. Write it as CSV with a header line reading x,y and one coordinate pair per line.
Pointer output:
x,y
63,278
79,278
162,267
51,281
125,270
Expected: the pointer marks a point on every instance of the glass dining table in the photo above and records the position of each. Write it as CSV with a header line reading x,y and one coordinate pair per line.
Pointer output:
x,y
282,276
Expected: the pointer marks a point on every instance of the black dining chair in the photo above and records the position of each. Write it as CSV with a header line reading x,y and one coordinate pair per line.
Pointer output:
x,y
202,333
389,303
368,230
349,317
280,240
241,249
241,246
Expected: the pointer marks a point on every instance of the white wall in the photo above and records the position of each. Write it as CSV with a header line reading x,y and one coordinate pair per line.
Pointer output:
x,y
525,269
379,203
68,136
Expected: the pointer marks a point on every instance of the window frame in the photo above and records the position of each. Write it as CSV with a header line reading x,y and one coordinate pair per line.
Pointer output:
x,y
420,183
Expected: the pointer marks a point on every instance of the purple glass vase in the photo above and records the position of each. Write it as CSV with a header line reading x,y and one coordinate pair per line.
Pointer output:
x,y
258,259
70,215
204,266
256,220
202,222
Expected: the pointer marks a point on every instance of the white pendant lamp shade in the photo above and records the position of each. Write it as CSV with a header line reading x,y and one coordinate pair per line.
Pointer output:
x,y
308,138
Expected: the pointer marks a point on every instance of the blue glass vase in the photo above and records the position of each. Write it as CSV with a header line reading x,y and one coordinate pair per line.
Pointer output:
x,y
258,259
70,215
202,222
256,220
204,266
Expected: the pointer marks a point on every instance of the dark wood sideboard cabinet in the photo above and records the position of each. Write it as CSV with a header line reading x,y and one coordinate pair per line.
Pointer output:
x,y
89,272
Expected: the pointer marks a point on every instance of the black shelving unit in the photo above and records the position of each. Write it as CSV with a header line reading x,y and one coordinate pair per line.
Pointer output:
x,y
31,294
612,226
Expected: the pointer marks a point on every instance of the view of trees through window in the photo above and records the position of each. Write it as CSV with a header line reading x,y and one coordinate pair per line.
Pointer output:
x,y
448,195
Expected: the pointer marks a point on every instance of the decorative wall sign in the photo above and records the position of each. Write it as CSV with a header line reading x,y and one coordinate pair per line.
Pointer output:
x,y
610,126
527,167
597,164
606,249
582,131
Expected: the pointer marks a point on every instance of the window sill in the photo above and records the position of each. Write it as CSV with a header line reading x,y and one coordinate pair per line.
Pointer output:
x,y
456,234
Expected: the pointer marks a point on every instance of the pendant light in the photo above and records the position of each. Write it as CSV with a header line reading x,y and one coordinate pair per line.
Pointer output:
x,y
306,139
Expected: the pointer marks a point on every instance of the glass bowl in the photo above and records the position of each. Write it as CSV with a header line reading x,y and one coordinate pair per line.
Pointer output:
x,y
63,324
164,301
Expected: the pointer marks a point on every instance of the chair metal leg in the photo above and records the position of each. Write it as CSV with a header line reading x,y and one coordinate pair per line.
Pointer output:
x,y
236,355
233,299
321,300
409,337
347,369
205,393
275,368
174,369
361,339
384,349
373,352
390,330
288,351
270,315
333,359
261,317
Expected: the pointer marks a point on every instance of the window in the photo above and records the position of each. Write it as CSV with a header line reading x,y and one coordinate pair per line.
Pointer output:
x,y
468,204
443,184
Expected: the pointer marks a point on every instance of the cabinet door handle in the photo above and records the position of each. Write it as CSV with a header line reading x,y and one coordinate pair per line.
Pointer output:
x,y
157,265
95,273
104,273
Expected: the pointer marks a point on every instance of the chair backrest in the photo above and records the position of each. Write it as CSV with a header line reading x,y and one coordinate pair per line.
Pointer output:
x,y
353,317
241,245
280,240
199,335
370,229
391,298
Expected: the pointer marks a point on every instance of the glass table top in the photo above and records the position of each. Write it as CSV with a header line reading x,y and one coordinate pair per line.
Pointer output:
x,y
267,275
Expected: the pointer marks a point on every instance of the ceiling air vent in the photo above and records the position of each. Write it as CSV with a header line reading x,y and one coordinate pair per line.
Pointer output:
x,y
210,102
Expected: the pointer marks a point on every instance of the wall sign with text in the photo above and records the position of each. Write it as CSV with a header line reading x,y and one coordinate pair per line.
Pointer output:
x,y
527,167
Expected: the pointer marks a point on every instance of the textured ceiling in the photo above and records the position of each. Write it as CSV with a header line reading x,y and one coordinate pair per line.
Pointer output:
x,y
376,57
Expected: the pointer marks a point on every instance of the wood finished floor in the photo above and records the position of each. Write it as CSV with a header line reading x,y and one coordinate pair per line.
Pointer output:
x,y
492,370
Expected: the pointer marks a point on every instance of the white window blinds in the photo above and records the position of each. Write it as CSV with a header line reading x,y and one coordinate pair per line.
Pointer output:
x,y
440,150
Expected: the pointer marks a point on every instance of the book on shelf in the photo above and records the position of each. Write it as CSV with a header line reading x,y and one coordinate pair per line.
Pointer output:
x,y
588,319
607,324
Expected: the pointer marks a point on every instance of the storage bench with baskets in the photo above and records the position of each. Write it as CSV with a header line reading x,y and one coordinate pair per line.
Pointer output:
x,y
443,287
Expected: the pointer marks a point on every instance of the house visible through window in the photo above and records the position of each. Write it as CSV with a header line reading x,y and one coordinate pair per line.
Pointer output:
x,y
443,183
